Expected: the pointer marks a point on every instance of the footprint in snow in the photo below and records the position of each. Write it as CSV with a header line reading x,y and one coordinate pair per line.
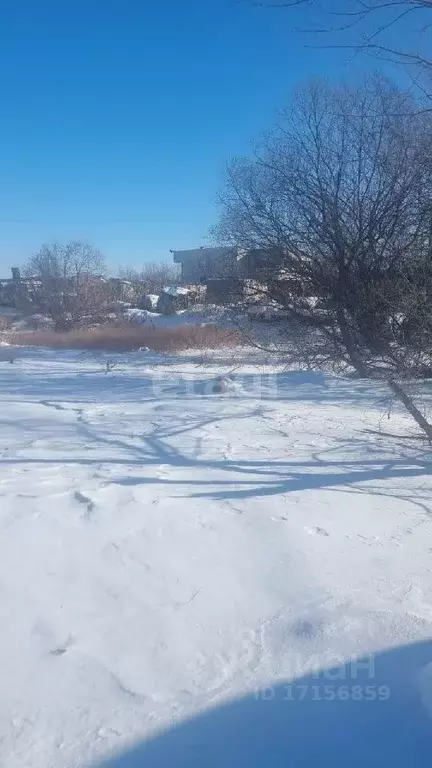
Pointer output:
x,y
82,499
305,629
45,636
317,531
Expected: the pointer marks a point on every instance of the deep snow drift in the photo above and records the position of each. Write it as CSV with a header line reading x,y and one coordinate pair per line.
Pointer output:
x,y
166,548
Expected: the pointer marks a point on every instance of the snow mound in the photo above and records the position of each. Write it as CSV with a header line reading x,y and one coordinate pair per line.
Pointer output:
x,y
139,316
223,384
177,290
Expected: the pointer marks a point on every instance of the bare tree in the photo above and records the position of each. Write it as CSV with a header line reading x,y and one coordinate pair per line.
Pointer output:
x,y
152,277
337,203
69,282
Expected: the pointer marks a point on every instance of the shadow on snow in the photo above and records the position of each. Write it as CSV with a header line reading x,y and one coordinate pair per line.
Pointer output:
x,y
370,713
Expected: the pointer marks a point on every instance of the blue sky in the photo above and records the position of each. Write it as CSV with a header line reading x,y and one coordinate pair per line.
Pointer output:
x,y
117,116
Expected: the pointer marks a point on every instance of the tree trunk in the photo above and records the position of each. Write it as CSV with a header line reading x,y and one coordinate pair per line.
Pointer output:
x,y
411,408
350,346
358,363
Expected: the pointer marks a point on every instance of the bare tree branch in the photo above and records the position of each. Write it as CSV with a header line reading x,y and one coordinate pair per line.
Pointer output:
x,y
336,205
373,20
69,282
292,4
152,277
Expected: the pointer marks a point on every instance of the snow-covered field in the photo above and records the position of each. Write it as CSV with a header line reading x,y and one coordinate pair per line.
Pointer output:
x,y
165,549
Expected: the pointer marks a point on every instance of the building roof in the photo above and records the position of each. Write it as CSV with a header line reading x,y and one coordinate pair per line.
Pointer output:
x,y
209,253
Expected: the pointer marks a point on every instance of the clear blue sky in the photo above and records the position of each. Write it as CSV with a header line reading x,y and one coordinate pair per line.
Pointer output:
x,y
117,116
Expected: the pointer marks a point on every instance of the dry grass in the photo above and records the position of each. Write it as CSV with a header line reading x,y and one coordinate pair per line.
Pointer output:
x,y
124,338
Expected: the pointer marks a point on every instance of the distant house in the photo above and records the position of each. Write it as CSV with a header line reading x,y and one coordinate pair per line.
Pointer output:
x,y
122,290
17,292
8,288
24,294
201,265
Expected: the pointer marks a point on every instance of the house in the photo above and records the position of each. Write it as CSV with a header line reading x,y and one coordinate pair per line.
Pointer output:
x,y
8,288
17,292
201,265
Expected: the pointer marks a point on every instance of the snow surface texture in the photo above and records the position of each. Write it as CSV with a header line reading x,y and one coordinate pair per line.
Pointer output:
x,y
167,548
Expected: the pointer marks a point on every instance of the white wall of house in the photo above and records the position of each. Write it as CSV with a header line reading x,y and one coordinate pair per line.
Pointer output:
x,y
200,264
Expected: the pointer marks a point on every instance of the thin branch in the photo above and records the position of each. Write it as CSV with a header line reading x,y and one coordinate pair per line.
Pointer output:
x,y
292,4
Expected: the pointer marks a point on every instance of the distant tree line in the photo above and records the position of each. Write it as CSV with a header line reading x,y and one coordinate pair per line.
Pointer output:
x,y
155,276
70,284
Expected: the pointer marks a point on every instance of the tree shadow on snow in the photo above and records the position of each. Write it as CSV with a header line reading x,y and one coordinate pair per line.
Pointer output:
x,y
229,478
225,477
374,712
260,478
